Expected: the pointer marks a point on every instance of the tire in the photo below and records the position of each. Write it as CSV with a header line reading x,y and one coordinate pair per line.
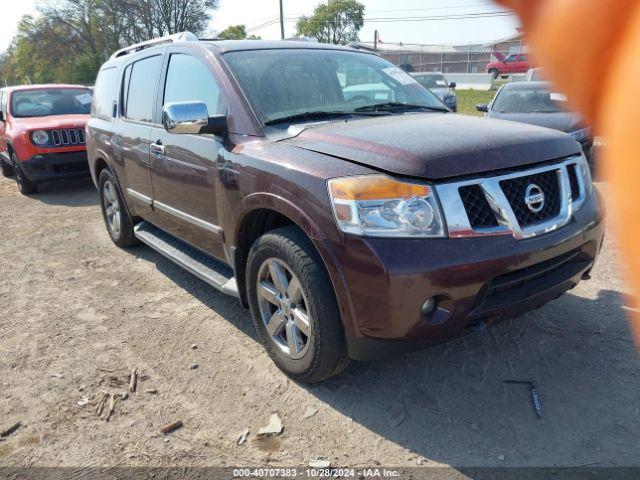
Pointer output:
x,y
114,213
7,169
324,352
26,186
494,73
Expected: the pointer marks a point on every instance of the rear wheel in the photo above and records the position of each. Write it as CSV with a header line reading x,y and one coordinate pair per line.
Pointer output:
x,y
7,169
116,218
494,73
294,308
25,185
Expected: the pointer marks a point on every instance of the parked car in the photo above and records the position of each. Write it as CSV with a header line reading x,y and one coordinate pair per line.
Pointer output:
x,y
514,63
534,103
437,83
534,75
42,133
348,231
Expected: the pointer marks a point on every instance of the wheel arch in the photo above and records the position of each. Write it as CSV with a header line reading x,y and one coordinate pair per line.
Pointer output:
x,y
262,212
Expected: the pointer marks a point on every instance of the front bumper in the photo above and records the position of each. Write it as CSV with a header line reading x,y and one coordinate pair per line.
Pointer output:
x,y
477,281
56,166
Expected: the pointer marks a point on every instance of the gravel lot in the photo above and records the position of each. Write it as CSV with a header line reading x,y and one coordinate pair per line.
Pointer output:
x,y
77,314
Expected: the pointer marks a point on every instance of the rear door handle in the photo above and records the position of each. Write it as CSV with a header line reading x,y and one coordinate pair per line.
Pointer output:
x,y
157,148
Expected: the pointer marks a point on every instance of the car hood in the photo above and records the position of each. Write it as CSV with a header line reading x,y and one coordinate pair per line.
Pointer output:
x,y
563,121
432,145
53,122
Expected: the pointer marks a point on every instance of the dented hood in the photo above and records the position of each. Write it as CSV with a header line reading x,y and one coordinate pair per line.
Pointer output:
x,y
433,145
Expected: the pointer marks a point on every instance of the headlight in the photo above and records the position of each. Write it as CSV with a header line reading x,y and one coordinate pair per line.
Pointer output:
x,y
450,100
40,137
581,135
378,206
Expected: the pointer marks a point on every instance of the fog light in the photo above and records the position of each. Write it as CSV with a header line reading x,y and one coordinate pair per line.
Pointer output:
x,y
429,306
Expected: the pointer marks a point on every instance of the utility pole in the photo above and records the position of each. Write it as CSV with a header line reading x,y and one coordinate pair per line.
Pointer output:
x,y
281,22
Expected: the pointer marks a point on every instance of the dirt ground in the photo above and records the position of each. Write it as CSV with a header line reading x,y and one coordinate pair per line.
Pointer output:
x,y
77,314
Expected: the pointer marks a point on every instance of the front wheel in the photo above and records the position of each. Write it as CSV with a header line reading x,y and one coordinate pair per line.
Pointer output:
x,y
294,307
115,215
7,169
25,185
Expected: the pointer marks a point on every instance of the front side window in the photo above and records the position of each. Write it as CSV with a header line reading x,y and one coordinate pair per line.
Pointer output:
x,y
510,59
104,93
198,86
289,82
141,88
44,102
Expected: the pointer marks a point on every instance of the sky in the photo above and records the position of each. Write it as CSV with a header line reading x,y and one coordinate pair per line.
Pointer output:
x,y
425,29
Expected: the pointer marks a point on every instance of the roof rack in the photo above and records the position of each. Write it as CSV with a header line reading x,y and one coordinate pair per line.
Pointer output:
x,y
176,37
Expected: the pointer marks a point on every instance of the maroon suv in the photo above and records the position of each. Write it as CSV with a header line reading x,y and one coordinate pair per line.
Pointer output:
x,y
350,228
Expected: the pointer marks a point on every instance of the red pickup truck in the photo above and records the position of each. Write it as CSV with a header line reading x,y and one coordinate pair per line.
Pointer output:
x,y
514,63
42,133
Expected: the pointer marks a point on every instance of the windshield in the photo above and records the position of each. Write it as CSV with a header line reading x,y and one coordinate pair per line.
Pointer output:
x,y
51,101
289,82
528,101
432,81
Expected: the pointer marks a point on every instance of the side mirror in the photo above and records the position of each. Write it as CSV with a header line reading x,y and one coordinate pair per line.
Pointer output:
x,y
482,107
192,118
453,85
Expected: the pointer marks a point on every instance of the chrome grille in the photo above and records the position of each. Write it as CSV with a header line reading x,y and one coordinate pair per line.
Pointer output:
x,y
515,189
497,205
477,207
67,137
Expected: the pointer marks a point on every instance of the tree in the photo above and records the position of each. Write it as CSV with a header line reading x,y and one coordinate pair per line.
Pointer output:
x,y
337,22
70,39
236,32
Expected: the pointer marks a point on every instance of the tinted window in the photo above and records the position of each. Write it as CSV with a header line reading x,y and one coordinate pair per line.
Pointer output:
x,y
142,88
104,93
125,89
189,80
44,102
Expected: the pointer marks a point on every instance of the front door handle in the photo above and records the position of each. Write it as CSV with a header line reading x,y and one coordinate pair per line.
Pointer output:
x,y
157,148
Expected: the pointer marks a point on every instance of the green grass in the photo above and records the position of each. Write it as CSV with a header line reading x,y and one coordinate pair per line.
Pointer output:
x,y
467,100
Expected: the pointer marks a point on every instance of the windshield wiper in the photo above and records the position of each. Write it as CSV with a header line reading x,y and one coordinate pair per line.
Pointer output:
x,y
397,106
315,115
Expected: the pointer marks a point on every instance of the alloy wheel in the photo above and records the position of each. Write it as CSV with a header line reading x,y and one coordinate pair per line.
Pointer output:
x,y
283,308
111,207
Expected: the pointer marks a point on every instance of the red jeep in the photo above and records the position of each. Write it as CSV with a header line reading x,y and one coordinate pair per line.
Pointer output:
x,y
42,133
514,63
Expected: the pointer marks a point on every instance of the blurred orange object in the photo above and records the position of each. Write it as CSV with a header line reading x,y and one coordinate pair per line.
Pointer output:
x,y
590,49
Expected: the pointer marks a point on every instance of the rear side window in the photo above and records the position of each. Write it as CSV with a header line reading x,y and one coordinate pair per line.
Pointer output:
x,y
104,92
198,85
141,90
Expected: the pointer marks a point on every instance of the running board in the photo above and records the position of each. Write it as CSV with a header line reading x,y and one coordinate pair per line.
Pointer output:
x,y
206,268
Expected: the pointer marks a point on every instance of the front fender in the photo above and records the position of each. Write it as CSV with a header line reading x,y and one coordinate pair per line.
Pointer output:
x,y
285,207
